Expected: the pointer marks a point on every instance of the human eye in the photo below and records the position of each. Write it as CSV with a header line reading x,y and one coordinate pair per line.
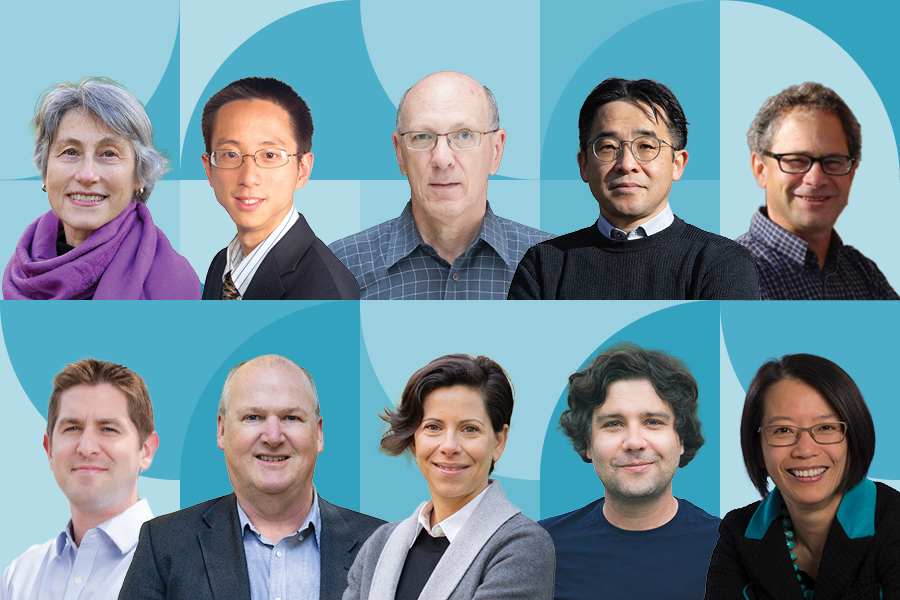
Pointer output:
x,y
292,419
655,423
251,418
464,134
431,427
611,424
834,164
795,162
471,429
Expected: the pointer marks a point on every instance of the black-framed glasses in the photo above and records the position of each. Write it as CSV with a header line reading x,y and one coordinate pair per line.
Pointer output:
x,y
788,435
797,164
463,139
644,148
267,158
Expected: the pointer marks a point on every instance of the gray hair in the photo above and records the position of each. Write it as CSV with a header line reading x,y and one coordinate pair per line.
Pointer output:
x,y
492,109
111,106
806,96
271,361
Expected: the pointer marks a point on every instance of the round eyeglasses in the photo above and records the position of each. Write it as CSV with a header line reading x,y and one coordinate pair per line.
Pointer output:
x,y
267,158
464,139
644,148
788,435
797,164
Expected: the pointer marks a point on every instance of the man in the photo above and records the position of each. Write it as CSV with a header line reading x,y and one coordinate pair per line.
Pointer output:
x,y
274,536
100,436
258,135
806,146
632,136
633,414
447,244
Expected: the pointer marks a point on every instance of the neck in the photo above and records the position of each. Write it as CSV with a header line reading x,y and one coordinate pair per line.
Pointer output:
x,y
84,521
818,243
811,525
640,514
251,238
444,508
452,237
628,224
276,516
75,237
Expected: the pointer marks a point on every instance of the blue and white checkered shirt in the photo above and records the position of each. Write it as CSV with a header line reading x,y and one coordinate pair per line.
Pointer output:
x,y
289,568
789,270
392,261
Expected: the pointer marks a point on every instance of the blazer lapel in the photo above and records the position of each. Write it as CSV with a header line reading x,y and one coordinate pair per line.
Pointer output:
x,y
281,261
495,510
840,562
223,551
392,558
338,540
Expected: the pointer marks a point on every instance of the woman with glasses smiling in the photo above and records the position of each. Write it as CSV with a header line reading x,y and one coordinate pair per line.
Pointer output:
x,y
825,531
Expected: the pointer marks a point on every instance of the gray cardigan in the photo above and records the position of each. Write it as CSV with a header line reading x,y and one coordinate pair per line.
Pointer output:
x,y
500,554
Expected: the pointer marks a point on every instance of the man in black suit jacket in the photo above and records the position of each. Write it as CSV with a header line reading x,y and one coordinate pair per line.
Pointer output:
x,y
258,136
271,431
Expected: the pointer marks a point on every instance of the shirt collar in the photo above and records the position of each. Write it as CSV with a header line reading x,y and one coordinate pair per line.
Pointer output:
x,y
241,267
658,223
313,517
405,236
122,530
856,514
449,527
792,247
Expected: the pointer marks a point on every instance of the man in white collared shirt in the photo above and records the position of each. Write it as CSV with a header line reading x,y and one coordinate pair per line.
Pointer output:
x,y
100,436
258,136
632,136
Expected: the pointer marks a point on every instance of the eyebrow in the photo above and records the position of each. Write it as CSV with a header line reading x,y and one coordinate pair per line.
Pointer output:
x,y
643,415
263,145
103,142
253,410
638,133
819,419
64,421
441,421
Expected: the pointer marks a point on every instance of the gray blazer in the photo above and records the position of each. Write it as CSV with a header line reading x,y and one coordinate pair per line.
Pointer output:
x,y
500,554
198,553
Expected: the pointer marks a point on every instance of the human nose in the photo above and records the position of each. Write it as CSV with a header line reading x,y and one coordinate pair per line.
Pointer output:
x,y
442,155
88,444
87,171
634,439
806,445
249,172
449,444
272,432
815,176
626,162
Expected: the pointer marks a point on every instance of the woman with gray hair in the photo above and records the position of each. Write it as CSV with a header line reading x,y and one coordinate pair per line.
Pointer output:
x,y
94,148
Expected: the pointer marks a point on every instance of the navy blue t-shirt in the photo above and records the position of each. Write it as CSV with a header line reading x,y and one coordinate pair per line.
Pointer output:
x,y
594,559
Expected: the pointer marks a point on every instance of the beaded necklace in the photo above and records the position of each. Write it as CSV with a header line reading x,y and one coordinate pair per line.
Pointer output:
x,y
786,523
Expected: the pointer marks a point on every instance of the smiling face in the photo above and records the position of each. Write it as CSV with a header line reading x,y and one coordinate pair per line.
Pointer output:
x,y
448,186
807,204
90,175
807,473
256,199
454,446
271,435
95,452
630,192
634,446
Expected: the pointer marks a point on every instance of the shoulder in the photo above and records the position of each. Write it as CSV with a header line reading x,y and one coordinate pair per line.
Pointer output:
x,y
359,247
180,520
887,503
696,516
26,562
865,263
714,240
737,520
358,522
376,542
519,234
560,525
309,270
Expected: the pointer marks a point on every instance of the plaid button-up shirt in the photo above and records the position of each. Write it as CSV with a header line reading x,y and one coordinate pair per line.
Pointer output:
x,y
789,269
392,261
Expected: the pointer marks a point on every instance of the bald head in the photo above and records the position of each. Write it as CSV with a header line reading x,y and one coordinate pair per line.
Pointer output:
x,y
259,366
447,87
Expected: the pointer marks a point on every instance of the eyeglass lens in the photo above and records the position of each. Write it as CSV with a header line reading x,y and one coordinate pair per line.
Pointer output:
x,y
644,148
801,163
267,158
458,140
788,435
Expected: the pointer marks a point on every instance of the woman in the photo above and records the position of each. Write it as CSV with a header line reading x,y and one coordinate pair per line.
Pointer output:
x,y
94,148
825,531
468,540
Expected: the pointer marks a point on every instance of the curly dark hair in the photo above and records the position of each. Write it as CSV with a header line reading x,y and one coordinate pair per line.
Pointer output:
x,y
478,373
669,375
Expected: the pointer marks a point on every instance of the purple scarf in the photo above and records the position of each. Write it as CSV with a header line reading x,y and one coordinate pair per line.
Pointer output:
x,y
129,258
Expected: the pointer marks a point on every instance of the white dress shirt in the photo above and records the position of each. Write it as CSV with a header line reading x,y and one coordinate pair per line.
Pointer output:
x,y
94,570
449,527
243,268
665,218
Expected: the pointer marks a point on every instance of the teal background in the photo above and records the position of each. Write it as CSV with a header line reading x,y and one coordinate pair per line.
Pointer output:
x,y
352,60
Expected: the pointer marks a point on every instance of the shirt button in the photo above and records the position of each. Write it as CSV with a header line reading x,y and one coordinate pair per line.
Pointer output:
x,y
78,581
278,554
455,276
300,538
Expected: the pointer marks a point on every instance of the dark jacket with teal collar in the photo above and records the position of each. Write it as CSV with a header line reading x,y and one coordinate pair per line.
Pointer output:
x,y
861,558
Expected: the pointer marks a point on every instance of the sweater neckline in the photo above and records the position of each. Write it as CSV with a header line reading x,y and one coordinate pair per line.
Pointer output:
x,y
665,236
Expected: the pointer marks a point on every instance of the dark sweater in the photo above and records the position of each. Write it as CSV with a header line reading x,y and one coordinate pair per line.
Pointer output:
x,y
855,564
679,263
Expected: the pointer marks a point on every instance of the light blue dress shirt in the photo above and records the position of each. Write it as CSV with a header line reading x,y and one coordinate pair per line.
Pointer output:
x,y
95,570
288,569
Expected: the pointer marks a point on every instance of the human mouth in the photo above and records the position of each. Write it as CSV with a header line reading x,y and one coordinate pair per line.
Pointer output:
x,y
808,473
450,468
637,467
268,458
88,469
245,203
87,199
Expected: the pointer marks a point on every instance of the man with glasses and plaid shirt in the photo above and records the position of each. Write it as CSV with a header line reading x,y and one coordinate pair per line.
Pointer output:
x,y
806,146
632,136
447,244
258,135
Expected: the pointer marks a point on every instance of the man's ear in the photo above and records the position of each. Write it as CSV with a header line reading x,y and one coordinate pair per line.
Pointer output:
x,y
499,143
758,167
680,162
396,139
207,166
306,165
148,450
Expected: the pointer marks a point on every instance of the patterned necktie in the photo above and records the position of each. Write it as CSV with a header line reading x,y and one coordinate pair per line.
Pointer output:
x,y
229,292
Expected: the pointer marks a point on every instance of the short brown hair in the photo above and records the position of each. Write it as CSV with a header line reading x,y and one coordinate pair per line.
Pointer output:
x,y
95,372
838,389
478,373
